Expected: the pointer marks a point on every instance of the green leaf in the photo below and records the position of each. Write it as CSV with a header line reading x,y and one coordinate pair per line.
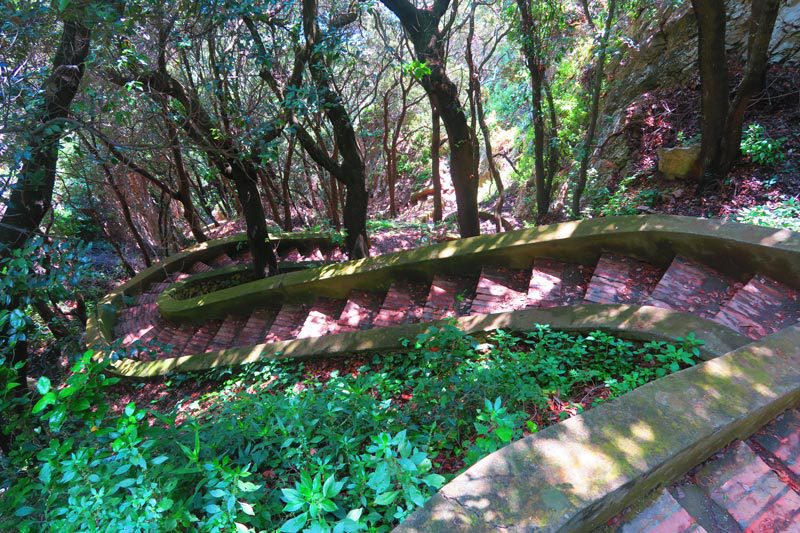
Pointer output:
x,y
247,508
63,5
44,401
295,524
24,511
241,528
218,493
43,385
504,434
130,408
387,498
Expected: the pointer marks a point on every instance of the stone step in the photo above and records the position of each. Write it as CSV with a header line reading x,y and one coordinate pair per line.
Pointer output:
x,y
322,318
741,483
199,267
500,290
449,296
663,515
256,327
763,306
619,279
692,288
221,261
231,326
403,304
287,322
556,283
360,310
292,255
202,337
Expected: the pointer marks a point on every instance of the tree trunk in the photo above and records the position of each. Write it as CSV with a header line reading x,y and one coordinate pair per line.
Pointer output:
x,y
287,199
594,110
721,118
714,101
436,176
245,178
421,25
184,184
31,195
126,215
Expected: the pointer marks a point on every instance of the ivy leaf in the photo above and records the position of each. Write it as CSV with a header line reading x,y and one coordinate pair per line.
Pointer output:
x,y
43,385
295,524
44,401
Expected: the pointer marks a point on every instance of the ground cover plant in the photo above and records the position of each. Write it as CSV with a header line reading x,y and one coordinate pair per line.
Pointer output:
x,y
330,445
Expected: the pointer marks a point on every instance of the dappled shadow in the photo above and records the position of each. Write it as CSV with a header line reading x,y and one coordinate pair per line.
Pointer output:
x,y
579,473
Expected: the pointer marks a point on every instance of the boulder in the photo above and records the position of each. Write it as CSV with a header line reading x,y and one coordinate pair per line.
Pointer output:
x,y
678,162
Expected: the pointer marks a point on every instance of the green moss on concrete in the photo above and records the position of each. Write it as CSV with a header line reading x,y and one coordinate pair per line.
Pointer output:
x,y
656,239
604,459
634,322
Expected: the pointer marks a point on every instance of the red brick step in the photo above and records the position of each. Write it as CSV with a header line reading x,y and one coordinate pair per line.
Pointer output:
x,y
499,290
360,310
448,297
322,318
620,279
556,283
763,306
403,304
692,288
287,322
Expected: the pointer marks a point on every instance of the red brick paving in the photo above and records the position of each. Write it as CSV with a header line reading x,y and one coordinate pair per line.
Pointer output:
x,y
692,288
360,310
738,482
620,279
323,318
761,307
499,290
447,296
402,304
665,515
556,283
287,322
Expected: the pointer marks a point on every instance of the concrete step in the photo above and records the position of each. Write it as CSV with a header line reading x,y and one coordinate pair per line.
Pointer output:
x,y
619,279
763,306
500,290
556,283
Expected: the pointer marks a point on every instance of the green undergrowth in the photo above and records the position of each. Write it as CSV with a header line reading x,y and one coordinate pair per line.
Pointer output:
x,y
333,445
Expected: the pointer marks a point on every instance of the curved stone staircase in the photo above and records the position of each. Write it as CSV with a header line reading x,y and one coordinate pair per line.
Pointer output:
x,y
660,277
756,308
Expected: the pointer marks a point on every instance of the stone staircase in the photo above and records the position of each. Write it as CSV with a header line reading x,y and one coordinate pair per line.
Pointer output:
x,y
751,485
755,309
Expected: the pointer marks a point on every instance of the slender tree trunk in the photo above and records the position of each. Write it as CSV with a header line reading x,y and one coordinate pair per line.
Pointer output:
x,y
287,199
184,184
273,207
594,110
436,176
246,180
421,25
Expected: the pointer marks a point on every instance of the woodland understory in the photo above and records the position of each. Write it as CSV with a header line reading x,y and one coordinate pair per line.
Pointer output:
x,y
132,130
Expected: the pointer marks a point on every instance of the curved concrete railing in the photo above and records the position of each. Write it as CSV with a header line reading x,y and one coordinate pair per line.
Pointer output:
x,y
100,325
733,249
579,473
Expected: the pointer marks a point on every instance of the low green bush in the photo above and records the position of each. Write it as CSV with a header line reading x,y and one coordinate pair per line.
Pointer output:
x,y
784,214
281,446
760,147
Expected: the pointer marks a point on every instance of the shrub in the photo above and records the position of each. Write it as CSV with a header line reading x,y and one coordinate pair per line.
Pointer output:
x,y
784,214
760,147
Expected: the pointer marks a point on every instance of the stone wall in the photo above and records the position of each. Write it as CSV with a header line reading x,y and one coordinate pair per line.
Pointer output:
x,y
661,54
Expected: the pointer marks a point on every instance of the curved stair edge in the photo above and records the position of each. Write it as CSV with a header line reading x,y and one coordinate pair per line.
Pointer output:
x,y
645,323
576,475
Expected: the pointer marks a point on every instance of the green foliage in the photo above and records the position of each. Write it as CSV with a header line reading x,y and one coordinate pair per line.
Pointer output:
x,y
418,69
784,214
760,147
280,449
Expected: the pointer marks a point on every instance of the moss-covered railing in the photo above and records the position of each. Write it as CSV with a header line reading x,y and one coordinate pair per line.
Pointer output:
x,y
100,325
735,249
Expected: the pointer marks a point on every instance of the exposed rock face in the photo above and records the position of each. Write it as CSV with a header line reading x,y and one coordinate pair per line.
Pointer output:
x,y
678,162
662,55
